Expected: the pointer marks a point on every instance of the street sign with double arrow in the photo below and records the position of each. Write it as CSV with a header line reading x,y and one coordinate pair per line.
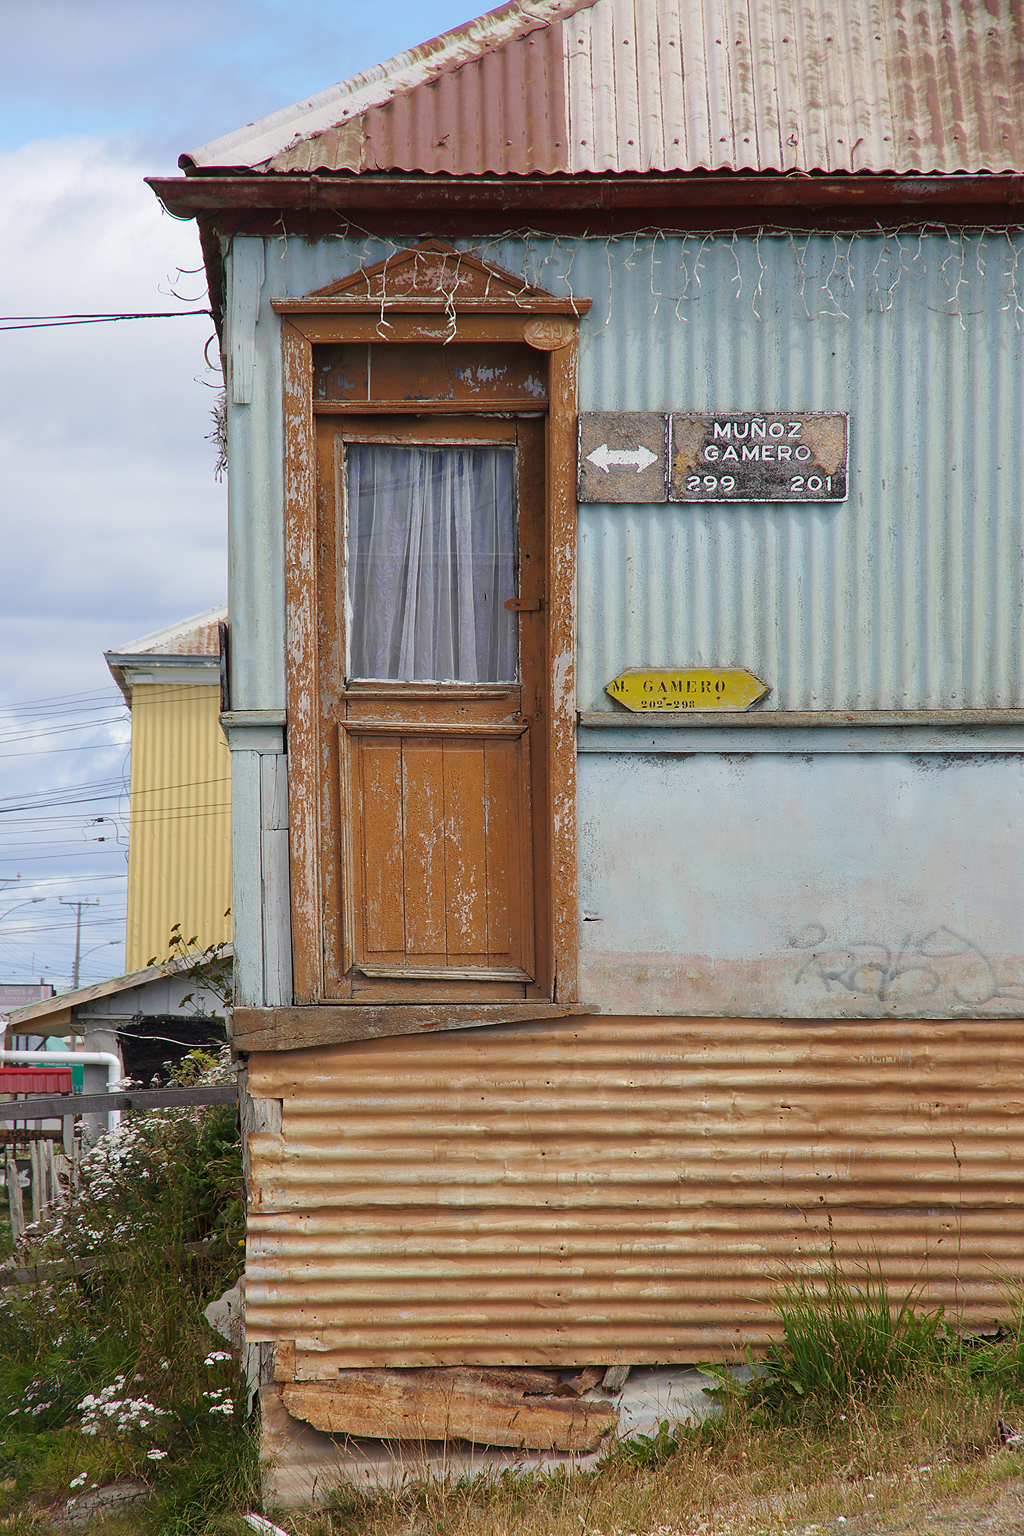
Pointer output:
x,y
623,456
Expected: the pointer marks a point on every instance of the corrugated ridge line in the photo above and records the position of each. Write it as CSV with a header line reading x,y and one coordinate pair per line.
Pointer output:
x,y
356,1232
485,1199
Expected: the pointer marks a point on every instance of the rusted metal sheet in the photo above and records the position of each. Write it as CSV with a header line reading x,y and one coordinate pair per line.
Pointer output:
x,y
623,1189
505,112
795,85
808,886
666,85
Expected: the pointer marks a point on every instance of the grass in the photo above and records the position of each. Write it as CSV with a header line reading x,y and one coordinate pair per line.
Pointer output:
x,y
869,1408
845,1341
927,1442
159,1216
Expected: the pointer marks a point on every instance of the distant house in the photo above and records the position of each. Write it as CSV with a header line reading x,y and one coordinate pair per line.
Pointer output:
x,y
179,858
151,1016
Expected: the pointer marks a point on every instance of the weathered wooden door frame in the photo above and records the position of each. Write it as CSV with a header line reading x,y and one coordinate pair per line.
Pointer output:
x,y
478,716
550,325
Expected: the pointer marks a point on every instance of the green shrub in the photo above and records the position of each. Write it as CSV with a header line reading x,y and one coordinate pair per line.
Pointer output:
x,y
844,1340
995,1361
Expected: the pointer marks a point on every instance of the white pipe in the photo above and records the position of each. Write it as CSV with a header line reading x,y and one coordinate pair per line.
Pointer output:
x,y
76,1059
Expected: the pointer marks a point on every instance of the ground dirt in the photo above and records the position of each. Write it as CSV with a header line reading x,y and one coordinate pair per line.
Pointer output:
x,y
1002,1515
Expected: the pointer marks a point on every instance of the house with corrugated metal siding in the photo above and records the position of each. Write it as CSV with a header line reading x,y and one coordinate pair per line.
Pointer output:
x,y
625,417
179,855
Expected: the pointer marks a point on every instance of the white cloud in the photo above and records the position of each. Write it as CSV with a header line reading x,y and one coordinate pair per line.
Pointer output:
x,y
113,524
110,506
111,520
182,75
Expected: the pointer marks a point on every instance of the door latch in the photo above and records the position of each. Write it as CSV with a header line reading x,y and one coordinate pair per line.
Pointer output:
x,y
524,604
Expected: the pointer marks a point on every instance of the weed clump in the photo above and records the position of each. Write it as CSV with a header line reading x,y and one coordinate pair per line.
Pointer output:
x,y
844,1340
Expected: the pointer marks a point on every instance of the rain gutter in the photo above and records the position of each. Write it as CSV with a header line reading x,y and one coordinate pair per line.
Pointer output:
x,y
189,196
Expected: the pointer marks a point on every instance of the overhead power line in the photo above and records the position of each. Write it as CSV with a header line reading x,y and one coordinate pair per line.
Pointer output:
x,y
61,698
44,322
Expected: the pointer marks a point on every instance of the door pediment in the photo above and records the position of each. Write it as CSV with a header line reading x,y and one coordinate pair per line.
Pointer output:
x,y
432,270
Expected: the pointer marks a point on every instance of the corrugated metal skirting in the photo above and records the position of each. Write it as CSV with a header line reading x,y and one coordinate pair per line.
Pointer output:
x,y
623,1189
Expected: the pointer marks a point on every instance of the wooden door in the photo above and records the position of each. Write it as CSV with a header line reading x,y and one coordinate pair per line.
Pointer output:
x,y
433,709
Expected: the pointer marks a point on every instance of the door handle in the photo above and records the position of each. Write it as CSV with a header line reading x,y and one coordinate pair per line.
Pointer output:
x,y
524,604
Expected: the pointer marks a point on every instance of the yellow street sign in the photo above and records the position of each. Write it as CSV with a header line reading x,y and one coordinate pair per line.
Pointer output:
x,y
642,688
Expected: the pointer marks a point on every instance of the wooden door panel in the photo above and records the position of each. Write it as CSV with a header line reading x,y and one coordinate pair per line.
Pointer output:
x,y
502,839
429,785
380,785
465,851
423,850
441,853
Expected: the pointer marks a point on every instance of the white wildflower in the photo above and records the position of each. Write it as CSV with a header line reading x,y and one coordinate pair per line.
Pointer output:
x,y
155,1454
76,1482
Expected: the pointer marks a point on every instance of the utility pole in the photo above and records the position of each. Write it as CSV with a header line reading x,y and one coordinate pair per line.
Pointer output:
x,y
87,901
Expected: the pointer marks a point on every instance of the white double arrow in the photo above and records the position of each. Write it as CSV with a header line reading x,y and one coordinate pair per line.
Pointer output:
x,y
604,457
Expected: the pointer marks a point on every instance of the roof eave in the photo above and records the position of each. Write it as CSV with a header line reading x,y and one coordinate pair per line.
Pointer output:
x,y
417,203
62,1002
755,194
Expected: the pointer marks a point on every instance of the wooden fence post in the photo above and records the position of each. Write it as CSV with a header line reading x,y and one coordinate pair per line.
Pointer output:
x,y
14,1199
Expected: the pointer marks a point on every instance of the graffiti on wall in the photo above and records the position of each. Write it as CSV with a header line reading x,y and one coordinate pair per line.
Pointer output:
x,y
941,966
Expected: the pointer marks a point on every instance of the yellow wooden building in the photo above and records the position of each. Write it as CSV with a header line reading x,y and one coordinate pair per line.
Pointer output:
x,y
179,859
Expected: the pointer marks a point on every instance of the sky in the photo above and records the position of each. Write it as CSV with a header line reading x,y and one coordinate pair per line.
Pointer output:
x,y
113,523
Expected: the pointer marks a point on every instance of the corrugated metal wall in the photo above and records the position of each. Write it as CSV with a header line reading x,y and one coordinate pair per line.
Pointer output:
x,y
179,868
622,1189
907,596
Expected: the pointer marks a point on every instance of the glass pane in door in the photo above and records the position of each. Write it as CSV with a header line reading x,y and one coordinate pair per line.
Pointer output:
x,y
431,561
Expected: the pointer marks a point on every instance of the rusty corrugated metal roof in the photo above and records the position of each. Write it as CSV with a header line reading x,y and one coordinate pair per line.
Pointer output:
x,y
619,1188
542,86
197,636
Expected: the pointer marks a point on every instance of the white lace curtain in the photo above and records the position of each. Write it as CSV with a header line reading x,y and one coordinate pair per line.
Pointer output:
x,y
431,560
